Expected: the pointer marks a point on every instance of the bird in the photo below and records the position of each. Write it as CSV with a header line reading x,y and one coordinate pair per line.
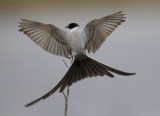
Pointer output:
x,y
75,43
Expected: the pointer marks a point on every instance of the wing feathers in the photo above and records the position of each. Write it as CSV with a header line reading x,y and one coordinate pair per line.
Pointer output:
x,y
99,29
47,36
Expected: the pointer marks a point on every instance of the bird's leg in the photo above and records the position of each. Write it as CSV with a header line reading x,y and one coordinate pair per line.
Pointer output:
x,y
71,58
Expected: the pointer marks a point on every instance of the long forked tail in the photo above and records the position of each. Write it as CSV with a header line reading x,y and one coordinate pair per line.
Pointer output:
x,y
82,67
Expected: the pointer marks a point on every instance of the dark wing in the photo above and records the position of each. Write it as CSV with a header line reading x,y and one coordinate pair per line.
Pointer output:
x,y
99,29
47,36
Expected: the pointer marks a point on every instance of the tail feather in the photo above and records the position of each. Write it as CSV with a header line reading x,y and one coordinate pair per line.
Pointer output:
x,y
94,72
80,74
66,78
83,71
74,75
88,70
102,69
47,94
81,68
77,75
84,67
114,70
97,70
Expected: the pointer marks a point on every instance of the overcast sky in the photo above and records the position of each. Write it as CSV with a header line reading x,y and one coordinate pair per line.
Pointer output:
x,y
27,72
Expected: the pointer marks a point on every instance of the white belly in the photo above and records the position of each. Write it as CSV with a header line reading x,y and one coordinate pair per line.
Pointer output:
x,y
76,40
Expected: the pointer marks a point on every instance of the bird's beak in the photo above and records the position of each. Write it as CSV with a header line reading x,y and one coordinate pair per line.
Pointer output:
x,y
66,27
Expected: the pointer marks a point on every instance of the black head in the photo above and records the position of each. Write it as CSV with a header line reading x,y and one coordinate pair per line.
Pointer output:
x,y
72,25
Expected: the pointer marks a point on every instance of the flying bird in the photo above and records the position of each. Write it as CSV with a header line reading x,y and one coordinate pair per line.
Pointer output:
x,y
74,43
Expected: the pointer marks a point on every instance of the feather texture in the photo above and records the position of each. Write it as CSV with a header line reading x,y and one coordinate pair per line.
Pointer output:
x,y
82,67
99,29
47,36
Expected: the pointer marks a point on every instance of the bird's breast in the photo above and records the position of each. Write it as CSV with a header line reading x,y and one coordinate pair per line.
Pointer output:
x,y
76,41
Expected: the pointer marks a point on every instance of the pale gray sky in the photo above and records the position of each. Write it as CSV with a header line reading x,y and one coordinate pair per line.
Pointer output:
x,y
27,72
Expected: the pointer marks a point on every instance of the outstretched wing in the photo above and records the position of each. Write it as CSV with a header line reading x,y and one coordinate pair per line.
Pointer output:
x,y
47,36
99,29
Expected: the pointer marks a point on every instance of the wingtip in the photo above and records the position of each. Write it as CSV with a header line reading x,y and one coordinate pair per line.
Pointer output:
x,y
120,12
21,30
24,19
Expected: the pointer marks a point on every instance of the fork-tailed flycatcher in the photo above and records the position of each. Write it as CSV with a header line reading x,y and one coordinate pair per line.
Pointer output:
x,y
74,43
